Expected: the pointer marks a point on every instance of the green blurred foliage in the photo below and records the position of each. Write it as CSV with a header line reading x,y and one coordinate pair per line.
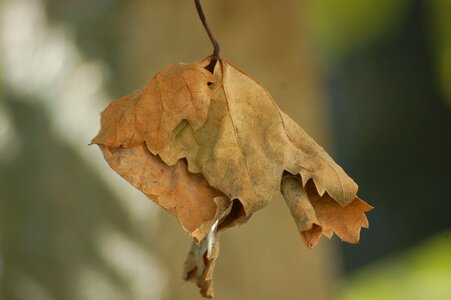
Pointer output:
x,y
440,16
422,273
340,26
388,115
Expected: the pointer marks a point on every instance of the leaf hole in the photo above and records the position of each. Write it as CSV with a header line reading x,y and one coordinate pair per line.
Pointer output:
x,y
236,213
211,66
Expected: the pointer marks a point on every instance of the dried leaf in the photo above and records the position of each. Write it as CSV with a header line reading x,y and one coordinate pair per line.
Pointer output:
x,y
193,141
178,92
315,214
242,148
185,195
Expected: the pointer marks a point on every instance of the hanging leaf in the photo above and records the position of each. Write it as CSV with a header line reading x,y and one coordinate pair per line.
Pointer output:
x,y
198,142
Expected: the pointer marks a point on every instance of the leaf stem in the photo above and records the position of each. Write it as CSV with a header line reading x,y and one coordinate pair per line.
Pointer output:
x,y
200,11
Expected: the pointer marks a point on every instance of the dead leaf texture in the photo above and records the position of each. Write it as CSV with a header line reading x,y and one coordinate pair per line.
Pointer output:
x,y
212,148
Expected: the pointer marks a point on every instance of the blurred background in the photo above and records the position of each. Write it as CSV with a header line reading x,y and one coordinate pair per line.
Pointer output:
x,y
369,80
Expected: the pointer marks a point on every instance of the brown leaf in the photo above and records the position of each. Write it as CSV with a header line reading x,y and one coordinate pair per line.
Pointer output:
x,y
178,92
185,195
192,139
242,148
315,214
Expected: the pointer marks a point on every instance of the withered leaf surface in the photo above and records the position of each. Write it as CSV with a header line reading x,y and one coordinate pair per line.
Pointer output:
x,y
315,215
196,142
187,196
178,92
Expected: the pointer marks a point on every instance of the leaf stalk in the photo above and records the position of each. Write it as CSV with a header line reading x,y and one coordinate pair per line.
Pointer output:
x,y
216,47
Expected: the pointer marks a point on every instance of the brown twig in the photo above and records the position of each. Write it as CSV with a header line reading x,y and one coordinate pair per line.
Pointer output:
x,y
207,28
